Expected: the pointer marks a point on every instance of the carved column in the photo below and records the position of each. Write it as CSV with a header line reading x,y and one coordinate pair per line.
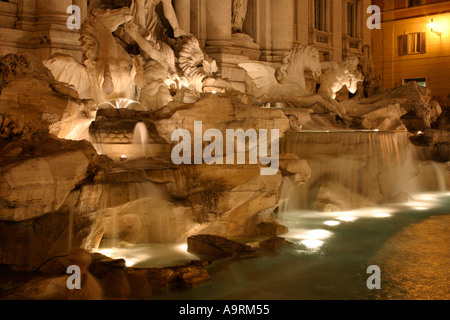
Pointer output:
x,y
51,34
218,21
26,12
282,27
183,12
83,6
52,12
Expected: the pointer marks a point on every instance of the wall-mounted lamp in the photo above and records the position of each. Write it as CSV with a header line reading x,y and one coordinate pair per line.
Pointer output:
x,y
432,26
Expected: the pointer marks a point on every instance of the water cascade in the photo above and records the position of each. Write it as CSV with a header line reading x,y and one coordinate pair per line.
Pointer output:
x,y
140,139
353,169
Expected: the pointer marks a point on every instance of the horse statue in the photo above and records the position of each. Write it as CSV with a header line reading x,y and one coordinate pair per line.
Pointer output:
x,y
338,75
108,72
287,84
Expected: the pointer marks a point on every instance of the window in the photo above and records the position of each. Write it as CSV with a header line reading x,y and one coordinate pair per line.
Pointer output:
x,y
351,19
414,3
319,15
412,43
420,81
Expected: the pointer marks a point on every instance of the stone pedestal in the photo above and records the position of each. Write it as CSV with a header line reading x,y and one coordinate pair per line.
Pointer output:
x,y
52,12
282,28
51,34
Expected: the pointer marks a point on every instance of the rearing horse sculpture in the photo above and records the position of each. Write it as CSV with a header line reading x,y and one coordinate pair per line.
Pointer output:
x,y
108,71
287,84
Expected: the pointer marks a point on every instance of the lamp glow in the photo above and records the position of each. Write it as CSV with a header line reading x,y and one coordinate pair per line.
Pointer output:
x,y
432,25
332,223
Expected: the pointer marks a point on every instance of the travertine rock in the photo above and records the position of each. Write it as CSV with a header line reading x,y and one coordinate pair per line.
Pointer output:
x,y
35,186
438,142
31,100
147,220
273,243
375,116
211,248
333,196
384,109
219,113
264,223
291,164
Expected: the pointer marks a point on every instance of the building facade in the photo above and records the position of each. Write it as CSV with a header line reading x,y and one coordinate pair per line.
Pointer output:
x,y
413,44
231,30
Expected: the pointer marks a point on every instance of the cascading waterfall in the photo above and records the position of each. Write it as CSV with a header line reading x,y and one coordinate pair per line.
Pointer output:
x,y
440,176
140,139
351,169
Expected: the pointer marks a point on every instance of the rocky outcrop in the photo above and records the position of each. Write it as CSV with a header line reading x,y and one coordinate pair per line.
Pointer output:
x,y
292,166
273,243
376,116
416,100
221,113
34,187
106,279
31,100
408,106
333,196
434,144
211,248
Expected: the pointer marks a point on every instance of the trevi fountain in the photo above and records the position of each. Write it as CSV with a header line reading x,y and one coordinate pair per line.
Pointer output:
x,y
159,178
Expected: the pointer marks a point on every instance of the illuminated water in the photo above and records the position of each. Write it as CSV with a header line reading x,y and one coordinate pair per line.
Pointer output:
x,y
140,139
328,259
329,252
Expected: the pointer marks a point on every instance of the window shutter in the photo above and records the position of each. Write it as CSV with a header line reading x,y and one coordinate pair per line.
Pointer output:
x,y
402,45
422,42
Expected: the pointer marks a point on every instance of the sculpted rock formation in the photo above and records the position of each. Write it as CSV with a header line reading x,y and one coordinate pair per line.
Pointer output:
x,y
410,104
211,248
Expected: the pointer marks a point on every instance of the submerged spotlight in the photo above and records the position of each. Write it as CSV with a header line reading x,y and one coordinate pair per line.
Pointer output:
x,y
332,223
312,244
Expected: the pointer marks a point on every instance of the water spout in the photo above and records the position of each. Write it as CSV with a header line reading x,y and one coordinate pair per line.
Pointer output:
x,y
140,139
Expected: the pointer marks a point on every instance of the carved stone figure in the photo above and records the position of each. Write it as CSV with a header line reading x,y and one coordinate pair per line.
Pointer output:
x,y
194,64
239,13
145,16
287,84
338,75
158,68
108,71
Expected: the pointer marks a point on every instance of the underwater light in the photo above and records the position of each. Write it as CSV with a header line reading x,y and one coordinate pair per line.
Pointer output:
x,y
382,215
318,234
347,218
312,244
332,223
130,262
